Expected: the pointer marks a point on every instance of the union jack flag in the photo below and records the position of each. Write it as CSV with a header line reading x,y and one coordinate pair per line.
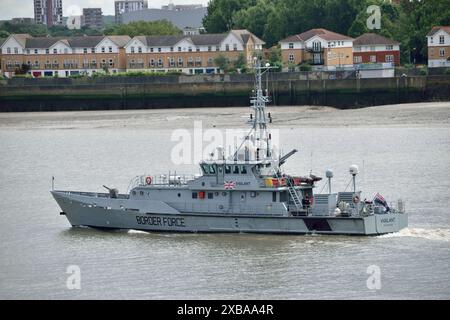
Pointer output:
x,y
230,185
379,199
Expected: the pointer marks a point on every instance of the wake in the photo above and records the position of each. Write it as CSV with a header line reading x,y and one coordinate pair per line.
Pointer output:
x,y
428,234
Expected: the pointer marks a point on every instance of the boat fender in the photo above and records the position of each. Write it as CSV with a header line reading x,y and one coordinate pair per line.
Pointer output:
x,y
148,180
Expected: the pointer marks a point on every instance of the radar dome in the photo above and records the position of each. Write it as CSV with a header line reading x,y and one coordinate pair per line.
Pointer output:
x,y
329,173
354,170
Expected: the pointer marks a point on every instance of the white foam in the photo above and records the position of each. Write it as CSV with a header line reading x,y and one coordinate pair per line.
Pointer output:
x,y
429,234
137,232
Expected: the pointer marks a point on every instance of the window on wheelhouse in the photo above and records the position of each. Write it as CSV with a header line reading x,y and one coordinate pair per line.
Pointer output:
x,y
243,170
227,169
213,169
236,170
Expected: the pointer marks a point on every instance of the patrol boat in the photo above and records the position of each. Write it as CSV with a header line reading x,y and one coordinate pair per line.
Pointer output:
x,y
247,192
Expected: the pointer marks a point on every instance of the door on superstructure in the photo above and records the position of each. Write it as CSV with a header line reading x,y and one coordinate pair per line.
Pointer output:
x,y
220,175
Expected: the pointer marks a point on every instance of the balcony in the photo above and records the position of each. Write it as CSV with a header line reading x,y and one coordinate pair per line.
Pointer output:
x,y
315,49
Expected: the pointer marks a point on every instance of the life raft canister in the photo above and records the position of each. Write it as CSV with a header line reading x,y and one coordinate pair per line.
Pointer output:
x,y
148,180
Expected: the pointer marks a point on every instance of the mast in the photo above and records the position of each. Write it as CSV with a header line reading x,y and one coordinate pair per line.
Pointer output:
x,y
259,134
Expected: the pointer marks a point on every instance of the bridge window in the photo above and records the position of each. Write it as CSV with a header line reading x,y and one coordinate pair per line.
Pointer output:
x,y
227,169
236,170
213,169
210,195
243,170
194,195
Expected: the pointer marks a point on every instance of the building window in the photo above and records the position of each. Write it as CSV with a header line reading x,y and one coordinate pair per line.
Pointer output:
x,y
85,50
9,64
111,63
36,51
171,62
160,63
171,49
190,62
431,40
217,48
198,62
235,47
8,50
373,59
442,52
390,47
210,62
66,51
291,46
110,50
227,47
16,50
140,49
159,50
180,62
357,59
103,49
92,50
179,49
47,51
151,49
36,64
441,40
132,49
198,49
190,49
209,48
152,63
389,58
291,58
55,51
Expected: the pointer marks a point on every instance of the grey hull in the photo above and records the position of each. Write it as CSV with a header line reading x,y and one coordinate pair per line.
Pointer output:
x,y
163,219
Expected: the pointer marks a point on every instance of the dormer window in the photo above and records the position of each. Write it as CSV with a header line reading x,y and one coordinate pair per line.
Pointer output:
x,y
103,49
140,49
132,49
35,51
16,50
441,39
291,46
110,49
55,51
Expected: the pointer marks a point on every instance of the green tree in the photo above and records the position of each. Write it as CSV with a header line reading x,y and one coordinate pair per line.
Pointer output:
x,y
220,16
222,62
143,28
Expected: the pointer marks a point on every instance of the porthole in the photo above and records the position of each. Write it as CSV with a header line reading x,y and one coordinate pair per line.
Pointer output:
x,y
216,194
179,195
224,194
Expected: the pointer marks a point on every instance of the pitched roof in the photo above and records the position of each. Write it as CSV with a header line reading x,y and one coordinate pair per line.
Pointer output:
x,y
85,41
436,29
162,41
21,38
2,40
246,35
323,33
120,41
373,39
206,39
41,42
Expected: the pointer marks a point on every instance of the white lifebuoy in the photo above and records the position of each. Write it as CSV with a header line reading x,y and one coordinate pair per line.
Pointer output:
x,y
148,180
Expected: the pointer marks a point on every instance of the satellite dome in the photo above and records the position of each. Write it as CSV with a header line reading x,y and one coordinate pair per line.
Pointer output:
x,y
354,170
329,173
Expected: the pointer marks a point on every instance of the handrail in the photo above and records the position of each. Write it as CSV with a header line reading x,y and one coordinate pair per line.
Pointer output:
x,y
160,180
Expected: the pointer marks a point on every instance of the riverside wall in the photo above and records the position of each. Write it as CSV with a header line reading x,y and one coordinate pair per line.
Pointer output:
x,y
174,91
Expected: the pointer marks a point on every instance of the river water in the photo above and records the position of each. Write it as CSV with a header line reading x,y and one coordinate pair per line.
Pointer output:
x,y
403,152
